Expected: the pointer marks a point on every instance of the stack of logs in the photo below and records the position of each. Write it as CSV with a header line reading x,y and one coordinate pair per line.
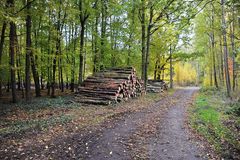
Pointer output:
x,y
110,86
156,86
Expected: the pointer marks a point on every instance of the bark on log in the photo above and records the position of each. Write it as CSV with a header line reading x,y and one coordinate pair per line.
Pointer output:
x,y
110,86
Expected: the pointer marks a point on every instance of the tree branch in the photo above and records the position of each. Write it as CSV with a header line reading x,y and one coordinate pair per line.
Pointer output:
x,y
28,4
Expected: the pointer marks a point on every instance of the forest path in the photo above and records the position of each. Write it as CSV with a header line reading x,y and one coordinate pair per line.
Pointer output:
x,y
172,140
157,132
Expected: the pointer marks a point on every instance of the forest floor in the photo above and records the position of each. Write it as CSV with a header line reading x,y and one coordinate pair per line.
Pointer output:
x,y
216,119
150,127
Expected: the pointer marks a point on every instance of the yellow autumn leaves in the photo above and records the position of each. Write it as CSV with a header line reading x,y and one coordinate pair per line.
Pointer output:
x,y
185,74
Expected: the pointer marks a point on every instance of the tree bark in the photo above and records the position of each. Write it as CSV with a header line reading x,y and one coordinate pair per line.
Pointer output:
x,y
103,33
232,30
74,36
221,61
28,51
171,68
213,48
228,84
80,78
95,58
131,34
142,19
60,64
148,44
95,38
12,52
49,80
58,43
1,51
156,69
35,75
83,18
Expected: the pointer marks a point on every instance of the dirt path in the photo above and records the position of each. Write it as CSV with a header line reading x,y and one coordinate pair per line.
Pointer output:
x,y
172,140
169,141
156,132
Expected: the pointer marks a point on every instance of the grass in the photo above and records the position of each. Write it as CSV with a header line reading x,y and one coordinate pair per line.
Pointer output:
x,y
208,117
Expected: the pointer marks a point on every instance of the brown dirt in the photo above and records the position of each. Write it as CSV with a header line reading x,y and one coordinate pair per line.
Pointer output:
x,y
152,132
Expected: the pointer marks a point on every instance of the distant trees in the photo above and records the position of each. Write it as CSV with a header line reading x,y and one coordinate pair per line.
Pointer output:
x,y
225,49
55,44
220,26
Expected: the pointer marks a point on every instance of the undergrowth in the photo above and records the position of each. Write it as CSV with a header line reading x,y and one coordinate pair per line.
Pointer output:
x,y
44,112
19,126
210,117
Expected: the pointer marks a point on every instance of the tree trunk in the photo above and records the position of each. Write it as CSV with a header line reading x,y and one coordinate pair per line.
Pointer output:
x,y
61,65
232,30
18,63
95,57
214,66
228,84
221,61
1,52
35,75
12,52
143,38
34,67
53,84
85,56
49,80
12,60
210,68
33,60
28,51
131,38
155,69
54,67
83,19
171,68
148,45
103,33
213,48
54,74
113,38
74,35
80,77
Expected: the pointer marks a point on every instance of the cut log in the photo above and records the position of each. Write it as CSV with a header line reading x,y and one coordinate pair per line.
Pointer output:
x,y
100,97
100,89
97,102
110,86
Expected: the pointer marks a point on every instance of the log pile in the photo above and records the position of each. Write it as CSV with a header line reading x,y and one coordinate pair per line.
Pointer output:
x,y
110,86
156,86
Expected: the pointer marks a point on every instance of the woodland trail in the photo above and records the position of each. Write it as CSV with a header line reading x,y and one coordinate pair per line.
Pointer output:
x,y
155,133
173,140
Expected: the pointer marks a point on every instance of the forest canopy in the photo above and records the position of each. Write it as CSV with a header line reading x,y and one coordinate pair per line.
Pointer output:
x,y
54,45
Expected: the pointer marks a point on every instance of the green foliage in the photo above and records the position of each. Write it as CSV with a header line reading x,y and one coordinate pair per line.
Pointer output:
x,y
234,109
208,90
208,118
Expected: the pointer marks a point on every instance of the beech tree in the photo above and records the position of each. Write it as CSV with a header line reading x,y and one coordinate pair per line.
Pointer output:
x,y
54,45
